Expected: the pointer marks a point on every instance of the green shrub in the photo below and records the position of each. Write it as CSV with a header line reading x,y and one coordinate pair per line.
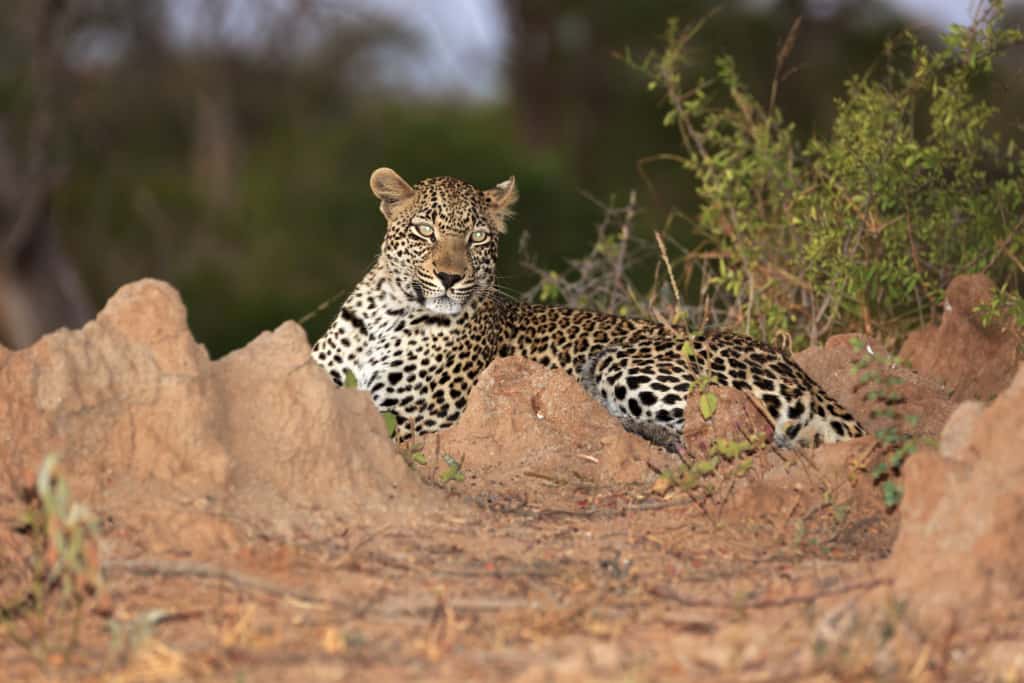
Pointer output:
x,y
867,225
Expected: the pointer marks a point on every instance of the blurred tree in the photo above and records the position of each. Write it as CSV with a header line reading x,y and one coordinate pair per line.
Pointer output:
x,y
571,94
206,156
40,289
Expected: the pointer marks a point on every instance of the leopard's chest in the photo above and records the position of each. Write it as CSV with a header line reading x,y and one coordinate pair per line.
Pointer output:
x,y
421,367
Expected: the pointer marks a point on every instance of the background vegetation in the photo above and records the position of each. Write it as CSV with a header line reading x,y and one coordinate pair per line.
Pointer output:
x,y
864,224
839,188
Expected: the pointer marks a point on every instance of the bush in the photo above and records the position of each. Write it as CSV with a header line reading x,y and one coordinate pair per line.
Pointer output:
x,y
864,227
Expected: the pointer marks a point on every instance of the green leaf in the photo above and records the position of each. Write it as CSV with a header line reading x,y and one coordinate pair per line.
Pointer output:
x,y
451,474
892,493
454,471
418,458
708,405
703,467
350,380
690,480
880,470
390,423
688,350
730,450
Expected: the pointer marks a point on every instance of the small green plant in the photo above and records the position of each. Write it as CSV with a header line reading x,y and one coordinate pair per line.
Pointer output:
x,y
727,458
412,453
69,535
684,477
707,402
65,567
454,471
882,389
1006,310
731,450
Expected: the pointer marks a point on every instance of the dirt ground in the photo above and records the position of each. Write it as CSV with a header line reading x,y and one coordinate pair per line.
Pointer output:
x,y
242,519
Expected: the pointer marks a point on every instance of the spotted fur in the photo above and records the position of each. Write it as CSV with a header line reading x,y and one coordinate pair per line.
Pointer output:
x,y
426,320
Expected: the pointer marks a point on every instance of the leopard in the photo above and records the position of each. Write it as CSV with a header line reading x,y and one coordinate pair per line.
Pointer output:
x,y
427,319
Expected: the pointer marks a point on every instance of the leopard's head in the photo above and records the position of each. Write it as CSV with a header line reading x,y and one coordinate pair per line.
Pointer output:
x,y
441,244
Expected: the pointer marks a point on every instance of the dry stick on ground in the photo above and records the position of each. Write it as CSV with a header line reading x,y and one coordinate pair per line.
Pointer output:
x,y
348,559
669,594
169,568
845,528
243,581
498,573
700,504
644,507
639,507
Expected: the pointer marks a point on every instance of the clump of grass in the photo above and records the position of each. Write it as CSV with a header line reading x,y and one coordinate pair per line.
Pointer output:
x,y
66,569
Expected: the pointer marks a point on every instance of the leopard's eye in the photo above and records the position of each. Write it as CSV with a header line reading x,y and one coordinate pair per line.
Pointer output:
x,y
478,236
423,229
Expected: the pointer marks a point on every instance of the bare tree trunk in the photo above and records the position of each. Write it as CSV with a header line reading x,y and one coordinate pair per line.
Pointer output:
x,y
215,148
532,69
40,289
215,142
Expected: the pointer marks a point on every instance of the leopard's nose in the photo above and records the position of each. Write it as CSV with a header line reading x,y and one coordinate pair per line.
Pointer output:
x,y
447,279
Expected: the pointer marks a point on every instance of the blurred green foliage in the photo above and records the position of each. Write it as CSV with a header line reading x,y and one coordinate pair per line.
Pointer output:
x,y
240,175
303,224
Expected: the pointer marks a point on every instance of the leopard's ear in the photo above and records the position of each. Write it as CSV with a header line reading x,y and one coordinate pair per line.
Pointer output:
x,y
500,200
390,189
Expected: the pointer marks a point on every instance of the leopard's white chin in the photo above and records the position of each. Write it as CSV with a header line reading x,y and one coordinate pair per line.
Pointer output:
x,y
443,304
